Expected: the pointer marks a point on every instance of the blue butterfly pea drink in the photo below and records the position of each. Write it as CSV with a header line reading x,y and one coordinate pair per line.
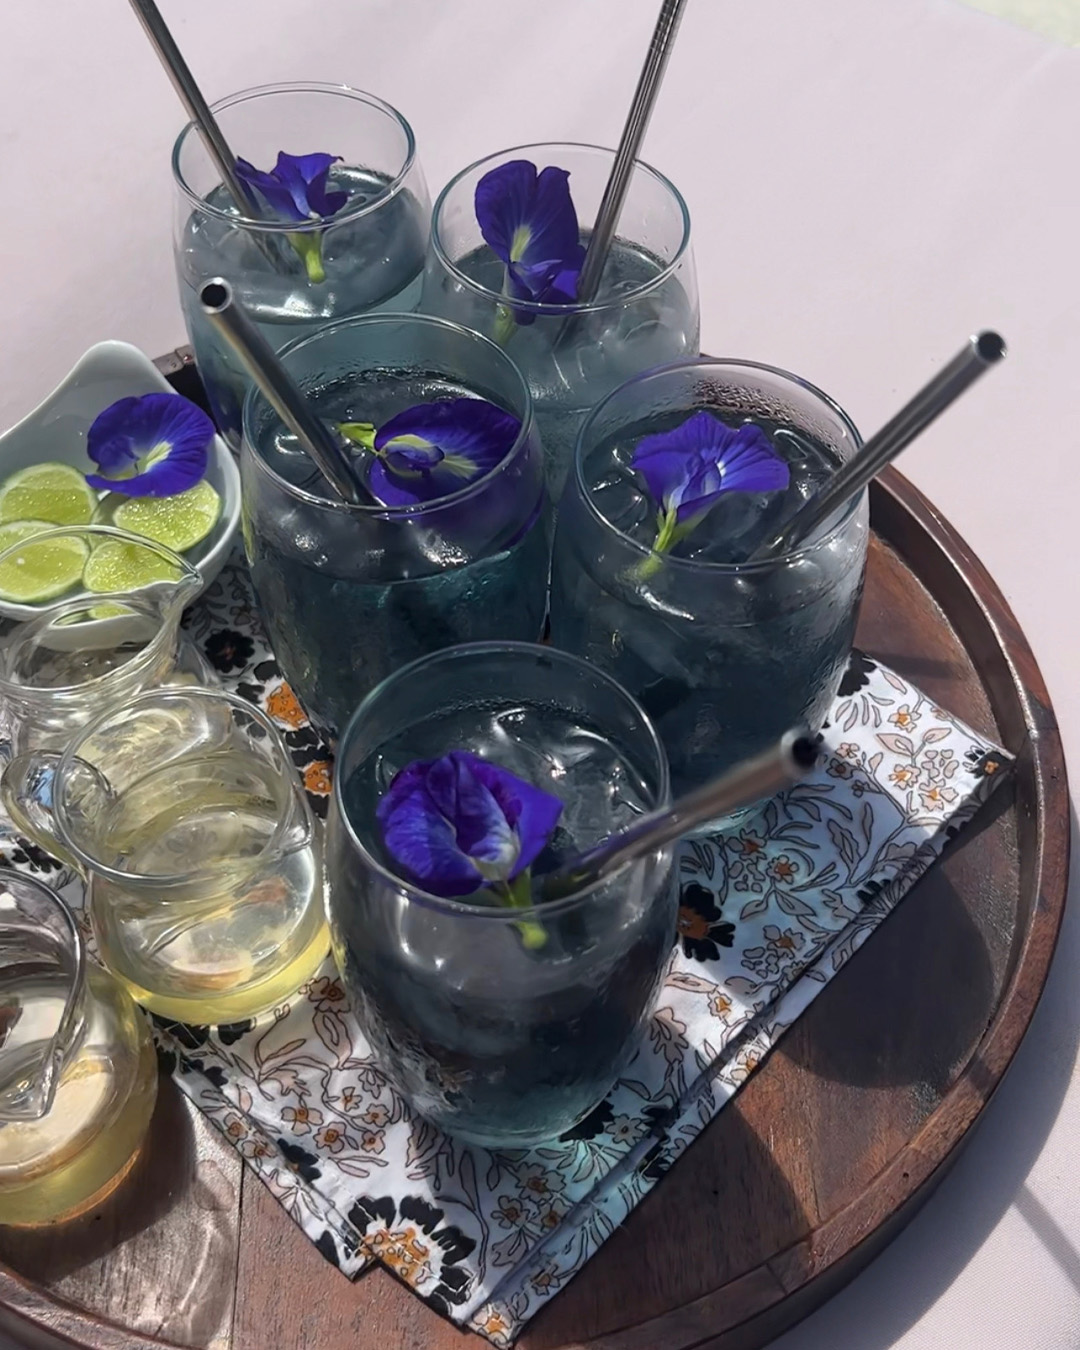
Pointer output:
x,y
509,235
452,545
678,477
460,782
343,228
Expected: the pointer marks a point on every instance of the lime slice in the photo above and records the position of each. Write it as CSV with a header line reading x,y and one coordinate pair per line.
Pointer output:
x,y
116,565
15,531
44,570
178,522
57,493
106,510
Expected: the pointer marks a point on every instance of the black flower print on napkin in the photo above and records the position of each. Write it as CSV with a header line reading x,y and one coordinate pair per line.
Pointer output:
x,y
413,1242
229,650
300,1161
594,1124
28,855
701,926
857,675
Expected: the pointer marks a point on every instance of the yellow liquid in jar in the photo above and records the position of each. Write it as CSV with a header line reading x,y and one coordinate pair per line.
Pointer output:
x,y
58,1167
253,934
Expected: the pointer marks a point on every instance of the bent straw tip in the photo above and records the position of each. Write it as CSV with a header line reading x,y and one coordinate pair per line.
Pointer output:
x,y
215,295
989,346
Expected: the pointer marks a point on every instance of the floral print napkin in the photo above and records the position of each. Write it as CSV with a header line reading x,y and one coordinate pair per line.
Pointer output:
x,y
769,913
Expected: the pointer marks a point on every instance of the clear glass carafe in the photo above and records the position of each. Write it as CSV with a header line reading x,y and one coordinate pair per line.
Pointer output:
x,y
78,1074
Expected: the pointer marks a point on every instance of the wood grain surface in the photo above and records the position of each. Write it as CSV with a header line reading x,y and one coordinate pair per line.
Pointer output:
x,y
826,1152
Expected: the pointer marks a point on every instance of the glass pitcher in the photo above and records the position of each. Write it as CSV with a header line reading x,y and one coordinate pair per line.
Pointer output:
x,y
182,809
63,666
78,1074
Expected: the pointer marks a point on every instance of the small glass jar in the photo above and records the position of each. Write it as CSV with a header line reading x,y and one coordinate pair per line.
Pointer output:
x,y
371,251
724,657
503,1026
645,311
78,1073
350,593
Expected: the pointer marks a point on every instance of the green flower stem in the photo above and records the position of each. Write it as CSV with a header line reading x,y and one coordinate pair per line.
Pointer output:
x,y
308,246
360,433
517,894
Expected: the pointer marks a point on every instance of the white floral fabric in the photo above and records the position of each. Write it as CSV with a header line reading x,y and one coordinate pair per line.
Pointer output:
x,y
768,914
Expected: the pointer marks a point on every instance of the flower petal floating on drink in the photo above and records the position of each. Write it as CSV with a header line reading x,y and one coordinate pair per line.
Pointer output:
x,y
434,449
687,470
460,824
297,188
528,220
156,445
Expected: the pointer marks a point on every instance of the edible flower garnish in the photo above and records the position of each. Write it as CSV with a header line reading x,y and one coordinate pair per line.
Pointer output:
x,y
691,467
434,449
459,824
155,445
528,221
296,188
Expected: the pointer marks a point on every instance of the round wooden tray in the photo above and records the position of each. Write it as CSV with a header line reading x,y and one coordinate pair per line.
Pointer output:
x,y
798,1182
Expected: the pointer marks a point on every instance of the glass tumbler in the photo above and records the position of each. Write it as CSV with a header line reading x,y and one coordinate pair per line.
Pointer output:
x,y
78,1073
723,656
503,1026
370,253
183,811
349,593
645,311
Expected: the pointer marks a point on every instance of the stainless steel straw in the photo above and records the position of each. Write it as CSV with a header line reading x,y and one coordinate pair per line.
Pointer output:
x,y
607,217
981,352
753,780
197,107
326,449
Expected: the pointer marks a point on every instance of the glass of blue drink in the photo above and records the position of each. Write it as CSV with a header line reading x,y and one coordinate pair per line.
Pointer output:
x,y
343,228
503,1020
507,245
724,653
351,592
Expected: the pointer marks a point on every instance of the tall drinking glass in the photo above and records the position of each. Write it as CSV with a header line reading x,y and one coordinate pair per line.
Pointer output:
x,y
349,593
293,276
724,654
500,1039
645,311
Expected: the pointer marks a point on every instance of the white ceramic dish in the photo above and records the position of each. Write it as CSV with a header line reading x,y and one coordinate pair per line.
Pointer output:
x,y
56,431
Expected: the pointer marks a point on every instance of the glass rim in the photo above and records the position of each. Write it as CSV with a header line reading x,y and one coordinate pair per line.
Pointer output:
x,y
189,577
412,510
125,710
454,906
537,307
748,568
261,226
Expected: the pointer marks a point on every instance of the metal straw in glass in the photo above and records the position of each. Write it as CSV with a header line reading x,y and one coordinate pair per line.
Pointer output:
x,y
751,781
611,205
325,447
980,353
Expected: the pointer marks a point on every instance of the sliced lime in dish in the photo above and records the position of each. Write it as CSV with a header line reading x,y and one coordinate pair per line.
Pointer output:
x,y
117,565
41,571
178,522
56,493
15,531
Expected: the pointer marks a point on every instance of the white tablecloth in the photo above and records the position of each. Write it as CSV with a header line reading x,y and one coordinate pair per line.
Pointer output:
x,y
870,180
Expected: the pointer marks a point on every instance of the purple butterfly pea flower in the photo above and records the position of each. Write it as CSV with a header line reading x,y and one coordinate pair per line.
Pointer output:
x,y
434,449
164,437
459,823
529,222
296,188
690,467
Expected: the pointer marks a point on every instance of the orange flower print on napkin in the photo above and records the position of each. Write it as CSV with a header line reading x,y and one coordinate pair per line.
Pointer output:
x,y
284,707
319,778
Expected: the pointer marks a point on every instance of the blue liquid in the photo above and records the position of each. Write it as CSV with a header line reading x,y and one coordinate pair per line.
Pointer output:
x,y
722,663
372,264
347,603
500,1044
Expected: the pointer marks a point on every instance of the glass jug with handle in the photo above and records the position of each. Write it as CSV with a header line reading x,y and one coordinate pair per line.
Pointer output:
x,y
88,650
183,811
78,1073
